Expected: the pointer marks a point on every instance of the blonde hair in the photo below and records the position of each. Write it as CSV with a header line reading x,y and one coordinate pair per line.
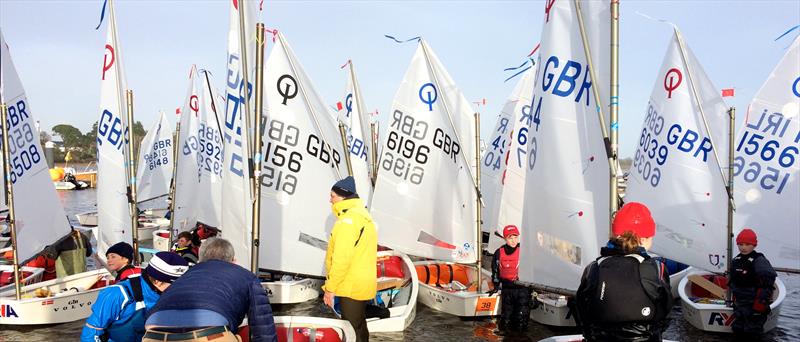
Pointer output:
x,y
628,242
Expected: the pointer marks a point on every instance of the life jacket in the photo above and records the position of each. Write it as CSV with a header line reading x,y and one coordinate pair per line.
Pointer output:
x,y
619,296
743,273
130,328
49,265
127,271
509,264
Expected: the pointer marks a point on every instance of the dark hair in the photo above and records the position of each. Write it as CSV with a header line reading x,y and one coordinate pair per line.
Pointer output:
x,y
628,242
185,235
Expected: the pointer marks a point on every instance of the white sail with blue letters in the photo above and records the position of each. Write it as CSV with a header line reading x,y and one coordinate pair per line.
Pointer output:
x,y
236,194
187,175
424,199
767,168
503,164
359,134
155,161
565,220
675,170
113,212
303,157
210,153
40,219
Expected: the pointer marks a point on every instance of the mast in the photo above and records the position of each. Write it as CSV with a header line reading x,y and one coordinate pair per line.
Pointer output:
x,y
478,242
729,235
611,156
131,169
256,164
173,191
614,108
373,138
9,188
245,88
343,135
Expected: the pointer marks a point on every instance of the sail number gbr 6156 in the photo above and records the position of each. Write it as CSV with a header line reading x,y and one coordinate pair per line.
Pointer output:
x,y
21,141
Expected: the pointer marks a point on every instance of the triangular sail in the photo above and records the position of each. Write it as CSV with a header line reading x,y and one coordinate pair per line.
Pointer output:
x,y
113,211
187,175
209,160
504,162
236,194
565,219
40,219
675,171
359,133
766,168
155,161
424,199
303,158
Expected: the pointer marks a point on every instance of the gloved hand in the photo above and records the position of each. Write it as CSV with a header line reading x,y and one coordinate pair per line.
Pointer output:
x,y
492,291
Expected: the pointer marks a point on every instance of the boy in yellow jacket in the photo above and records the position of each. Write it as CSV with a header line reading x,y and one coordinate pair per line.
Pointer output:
x,y
351,257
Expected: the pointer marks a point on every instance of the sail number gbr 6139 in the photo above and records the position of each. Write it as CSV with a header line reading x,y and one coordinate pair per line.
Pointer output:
x,y
21,141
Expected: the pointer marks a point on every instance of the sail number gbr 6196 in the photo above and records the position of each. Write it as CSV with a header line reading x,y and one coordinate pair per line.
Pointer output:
x,y
21,141
405,154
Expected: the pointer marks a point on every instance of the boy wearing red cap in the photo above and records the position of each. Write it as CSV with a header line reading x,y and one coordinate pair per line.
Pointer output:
x,y
625,295
752,281
516,305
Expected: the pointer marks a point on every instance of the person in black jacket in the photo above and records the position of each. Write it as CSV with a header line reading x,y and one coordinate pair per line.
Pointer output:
x,y
211,300
516,306
752,282
624,295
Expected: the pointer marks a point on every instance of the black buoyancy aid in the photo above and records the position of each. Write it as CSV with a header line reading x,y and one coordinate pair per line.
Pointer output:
x,y
509,264
619,295
743,271
133,325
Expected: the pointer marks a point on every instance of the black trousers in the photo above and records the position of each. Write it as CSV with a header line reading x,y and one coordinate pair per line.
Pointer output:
x,y
516,309
354,311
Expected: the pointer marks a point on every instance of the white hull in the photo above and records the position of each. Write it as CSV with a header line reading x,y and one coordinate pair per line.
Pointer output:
x,y
292,291
675,281
718,317
59,308
404,303
64,185
87,219
571,338
34,276
343,328
552,311
460,303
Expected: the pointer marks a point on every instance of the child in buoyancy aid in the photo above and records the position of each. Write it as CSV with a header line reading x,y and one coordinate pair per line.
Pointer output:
x,y
516,299
752,281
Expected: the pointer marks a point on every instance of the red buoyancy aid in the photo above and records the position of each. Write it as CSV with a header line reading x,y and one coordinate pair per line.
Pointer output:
x,y
509,265
49,265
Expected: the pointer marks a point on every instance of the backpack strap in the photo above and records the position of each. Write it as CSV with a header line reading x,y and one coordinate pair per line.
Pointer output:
x,y
136,288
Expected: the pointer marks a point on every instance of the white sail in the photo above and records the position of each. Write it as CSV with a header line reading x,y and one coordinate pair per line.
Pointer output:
x,y
187,175
209,135
675,170
766,167
236,194
155,161
503,164
39,216
565,220
303,157
114,217
424,199
359,133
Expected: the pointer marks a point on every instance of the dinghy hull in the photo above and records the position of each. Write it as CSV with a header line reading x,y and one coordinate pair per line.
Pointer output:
x,y
465,303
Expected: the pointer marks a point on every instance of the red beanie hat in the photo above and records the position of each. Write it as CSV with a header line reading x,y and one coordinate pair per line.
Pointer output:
x,y
634,217
747,236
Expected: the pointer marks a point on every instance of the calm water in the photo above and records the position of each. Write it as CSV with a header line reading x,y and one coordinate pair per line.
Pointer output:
x,y
429,325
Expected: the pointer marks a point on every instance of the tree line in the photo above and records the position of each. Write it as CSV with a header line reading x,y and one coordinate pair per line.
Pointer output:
x,y
82,146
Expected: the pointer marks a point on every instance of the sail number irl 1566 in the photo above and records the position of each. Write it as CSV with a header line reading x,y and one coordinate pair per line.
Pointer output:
x,y
21,141
767,151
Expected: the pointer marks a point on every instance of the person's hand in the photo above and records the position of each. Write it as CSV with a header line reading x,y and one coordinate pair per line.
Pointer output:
x,y
328,298
492,292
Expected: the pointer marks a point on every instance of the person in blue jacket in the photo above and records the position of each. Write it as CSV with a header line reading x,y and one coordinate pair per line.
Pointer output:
x,y
118,314
211,301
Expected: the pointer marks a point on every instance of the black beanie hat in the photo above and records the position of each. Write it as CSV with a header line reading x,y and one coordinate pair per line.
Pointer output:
x,y
122,249
345,187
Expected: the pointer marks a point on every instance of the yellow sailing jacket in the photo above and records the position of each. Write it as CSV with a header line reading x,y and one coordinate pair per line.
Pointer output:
x,y
352,251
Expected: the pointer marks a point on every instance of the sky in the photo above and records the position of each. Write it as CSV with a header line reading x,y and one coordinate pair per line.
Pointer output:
x,y
59,54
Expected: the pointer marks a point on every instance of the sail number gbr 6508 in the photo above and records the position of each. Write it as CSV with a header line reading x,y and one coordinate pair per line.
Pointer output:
x,y
21,141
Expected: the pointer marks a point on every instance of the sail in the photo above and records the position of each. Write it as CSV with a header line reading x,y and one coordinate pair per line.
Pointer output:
x,y
766,166
210,154
356,122
113,212
303,157
187,175
504,162
565,217
424,199
39,216
236,194
675,170
155,161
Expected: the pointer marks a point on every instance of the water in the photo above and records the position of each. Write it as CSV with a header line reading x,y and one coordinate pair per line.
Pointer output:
x,y
429,325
